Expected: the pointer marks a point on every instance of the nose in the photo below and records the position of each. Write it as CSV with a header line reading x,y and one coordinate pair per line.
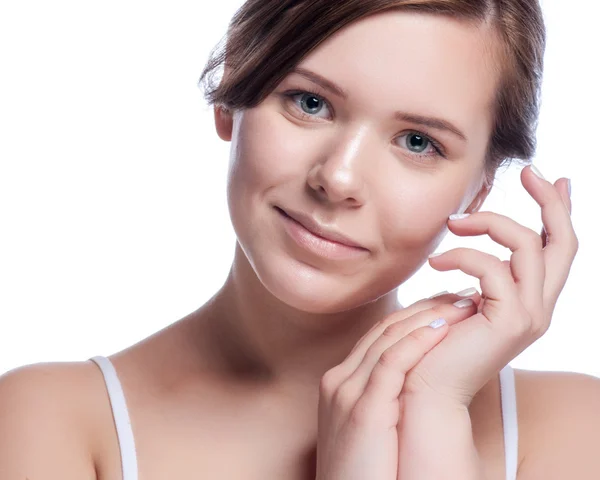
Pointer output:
x,y
338,178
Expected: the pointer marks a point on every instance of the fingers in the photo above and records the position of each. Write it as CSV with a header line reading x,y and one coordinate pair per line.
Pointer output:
x,y
562,244
496,281
527,260
539,264
386,379
555,212
356,355
563,185
379,353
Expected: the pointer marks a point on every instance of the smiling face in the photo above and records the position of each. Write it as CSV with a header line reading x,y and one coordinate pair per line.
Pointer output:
x,y
383,157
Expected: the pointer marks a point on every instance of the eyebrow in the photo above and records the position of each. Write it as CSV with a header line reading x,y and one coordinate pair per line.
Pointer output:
x,y
431,122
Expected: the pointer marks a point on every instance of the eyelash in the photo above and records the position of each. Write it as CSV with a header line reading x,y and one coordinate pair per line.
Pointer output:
x,y
434,143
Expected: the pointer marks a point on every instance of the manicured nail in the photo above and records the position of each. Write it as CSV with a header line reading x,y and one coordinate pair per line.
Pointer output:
x,y
464,303
537,172
569,186
435,254
440,322
459,216
439,294
467,292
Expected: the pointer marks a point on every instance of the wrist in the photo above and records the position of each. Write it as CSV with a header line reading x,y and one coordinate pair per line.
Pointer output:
x,y
435,438
438,402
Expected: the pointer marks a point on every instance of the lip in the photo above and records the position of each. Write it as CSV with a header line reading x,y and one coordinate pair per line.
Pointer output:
x,y
321,231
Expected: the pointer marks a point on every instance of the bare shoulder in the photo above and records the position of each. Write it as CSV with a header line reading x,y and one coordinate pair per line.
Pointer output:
x,y
559,425
46,430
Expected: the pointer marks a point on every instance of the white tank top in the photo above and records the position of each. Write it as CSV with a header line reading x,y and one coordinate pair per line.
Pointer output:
x,y
127,444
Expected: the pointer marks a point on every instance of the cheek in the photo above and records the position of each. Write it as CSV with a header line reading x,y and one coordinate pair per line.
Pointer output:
x,y
265,157
266,153
414,219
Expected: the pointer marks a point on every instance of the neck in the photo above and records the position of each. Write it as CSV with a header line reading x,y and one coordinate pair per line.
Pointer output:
x,y
256,337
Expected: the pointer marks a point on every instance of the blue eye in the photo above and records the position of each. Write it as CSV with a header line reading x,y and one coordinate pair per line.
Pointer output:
x,y
417,143
312,102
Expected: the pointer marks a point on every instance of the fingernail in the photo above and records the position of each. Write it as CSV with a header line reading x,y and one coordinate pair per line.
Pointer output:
x,y
537,172
459,216
467,292
464,303
439,294
569,186
435,255
440,322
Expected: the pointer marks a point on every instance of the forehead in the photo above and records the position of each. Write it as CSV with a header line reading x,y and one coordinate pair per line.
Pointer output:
x,y
422,63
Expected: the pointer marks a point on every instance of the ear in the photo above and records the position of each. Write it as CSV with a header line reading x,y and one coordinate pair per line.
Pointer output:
x,y
223,122
477,202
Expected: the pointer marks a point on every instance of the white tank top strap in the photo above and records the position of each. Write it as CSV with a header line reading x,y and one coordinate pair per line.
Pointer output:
x,y
509,420
127,443
121,417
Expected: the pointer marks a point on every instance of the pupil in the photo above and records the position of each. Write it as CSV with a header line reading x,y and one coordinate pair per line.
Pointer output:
x,y
417,142
312,102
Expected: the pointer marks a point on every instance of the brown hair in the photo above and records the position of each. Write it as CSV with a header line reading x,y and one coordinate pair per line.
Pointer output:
x,y
268,38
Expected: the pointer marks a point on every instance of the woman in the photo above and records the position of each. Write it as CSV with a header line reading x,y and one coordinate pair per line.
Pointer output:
x,y
357,129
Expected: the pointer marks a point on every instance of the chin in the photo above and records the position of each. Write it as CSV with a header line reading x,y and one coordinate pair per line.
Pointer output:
x,y
309,289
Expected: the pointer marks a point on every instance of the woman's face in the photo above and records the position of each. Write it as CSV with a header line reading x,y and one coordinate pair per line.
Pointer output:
x,y
383,164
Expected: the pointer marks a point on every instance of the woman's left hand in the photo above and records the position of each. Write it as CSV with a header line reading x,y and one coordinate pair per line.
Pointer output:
x,y
518,296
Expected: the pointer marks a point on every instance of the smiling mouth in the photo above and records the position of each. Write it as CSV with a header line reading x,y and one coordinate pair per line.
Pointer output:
x,y
317,230
316,243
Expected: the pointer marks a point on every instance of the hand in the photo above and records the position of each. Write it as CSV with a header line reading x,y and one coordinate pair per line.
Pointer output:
x,y
358,399
518,296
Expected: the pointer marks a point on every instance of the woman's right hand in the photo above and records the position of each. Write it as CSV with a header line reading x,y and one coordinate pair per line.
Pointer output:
x,y
359,406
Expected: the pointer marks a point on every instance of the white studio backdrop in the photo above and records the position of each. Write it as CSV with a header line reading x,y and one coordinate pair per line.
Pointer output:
x,y
113,216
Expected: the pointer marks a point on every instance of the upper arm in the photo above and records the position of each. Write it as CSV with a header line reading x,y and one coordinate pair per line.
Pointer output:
x,y
39,436
563,433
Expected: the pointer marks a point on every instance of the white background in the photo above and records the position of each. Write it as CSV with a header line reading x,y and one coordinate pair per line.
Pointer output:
x,y
113,219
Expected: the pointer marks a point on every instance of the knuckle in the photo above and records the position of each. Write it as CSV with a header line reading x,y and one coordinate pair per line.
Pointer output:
x,y
534,240
389,320
440,310
329,382
389,358
539,329
537,325
497,265
535,330
574,248
486,216
420,306
359,416
459,253
403,313
529,326
394,330
413,339
378,324
344,397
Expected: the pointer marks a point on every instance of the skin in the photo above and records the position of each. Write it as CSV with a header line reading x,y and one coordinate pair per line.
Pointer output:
x,y
231,390
351,169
